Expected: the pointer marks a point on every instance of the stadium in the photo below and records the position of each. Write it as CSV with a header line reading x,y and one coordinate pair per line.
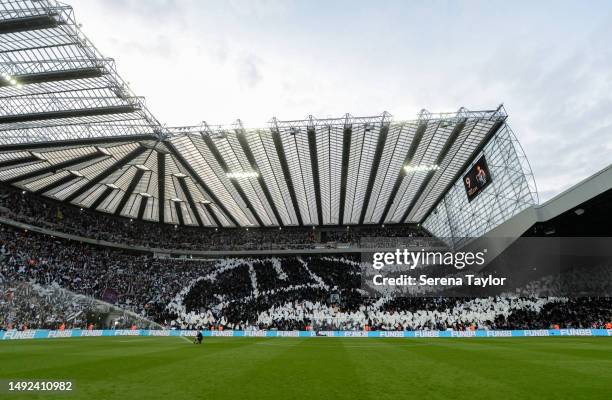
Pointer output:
x,y
298,250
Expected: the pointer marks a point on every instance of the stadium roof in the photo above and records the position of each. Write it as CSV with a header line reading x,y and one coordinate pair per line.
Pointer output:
x,y
71,129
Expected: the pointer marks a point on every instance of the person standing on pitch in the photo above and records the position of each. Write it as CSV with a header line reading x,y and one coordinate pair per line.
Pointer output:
x,y
198,338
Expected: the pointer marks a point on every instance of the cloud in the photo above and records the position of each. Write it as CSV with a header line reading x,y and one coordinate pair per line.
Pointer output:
x,y
157,9
561,100
254,59
161,46
250,72
260,8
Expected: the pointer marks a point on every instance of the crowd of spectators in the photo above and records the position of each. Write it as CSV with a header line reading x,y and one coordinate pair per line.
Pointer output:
x,y
24,305
134,282
285,293
47,213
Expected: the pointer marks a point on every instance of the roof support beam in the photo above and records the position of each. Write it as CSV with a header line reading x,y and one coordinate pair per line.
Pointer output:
x,y
55,184
57,167
496,126
213,149
447,146
189,197
55,76
161,186
30,23
76,142
143,206
101,198
314,161
179,212
17,161
199,179
413,148
346,150
212,214
106,173
65,44
282,158
128,192
380,145
79,112
249,154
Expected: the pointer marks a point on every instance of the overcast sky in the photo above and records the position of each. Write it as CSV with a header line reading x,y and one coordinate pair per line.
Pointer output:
x,y
550,63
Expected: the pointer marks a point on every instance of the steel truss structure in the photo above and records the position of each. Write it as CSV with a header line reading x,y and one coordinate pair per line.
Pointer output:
x,y
512,190
71,129
64,88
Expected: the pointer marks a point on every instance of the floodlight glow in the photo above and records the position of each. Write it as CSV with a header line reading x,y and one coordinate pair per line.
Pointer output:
x,y
242,174
417,168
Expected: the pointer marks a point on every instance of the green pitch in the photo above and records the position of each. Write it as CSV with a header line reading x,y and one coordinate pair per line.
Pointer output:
x,y
130,368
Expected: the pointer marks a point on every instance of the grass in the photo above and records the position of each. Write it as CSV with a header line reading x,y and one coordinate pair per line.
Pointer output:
x,y
315,368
